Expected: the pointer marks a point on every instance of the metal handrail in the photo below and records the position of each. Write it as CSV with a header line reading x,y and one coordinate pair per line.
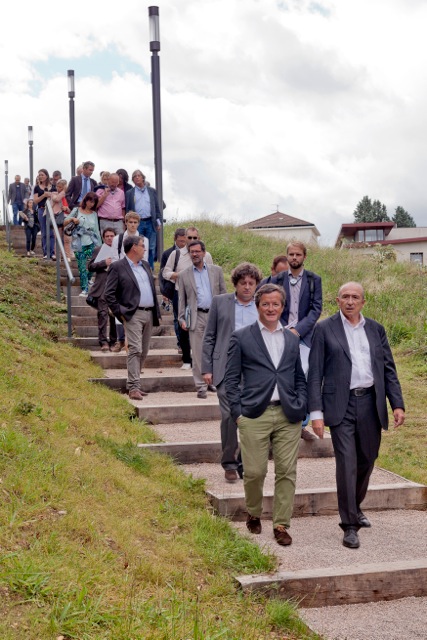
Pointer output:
x,y
50,220
7,221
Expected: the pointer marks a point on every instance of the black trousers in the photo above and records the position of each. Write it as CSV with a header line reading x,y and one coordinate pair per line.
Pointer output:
x,y
356,444
184,338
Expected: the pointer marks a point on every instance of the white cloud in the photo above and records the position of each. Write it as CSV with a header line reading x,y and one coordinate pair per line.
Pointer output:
x,y
308,105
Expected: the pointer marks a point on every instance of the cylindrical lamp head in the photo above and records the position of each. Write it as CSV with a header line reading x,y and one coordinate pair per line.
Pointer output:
x,y
30,135
6,166
70,74
154,25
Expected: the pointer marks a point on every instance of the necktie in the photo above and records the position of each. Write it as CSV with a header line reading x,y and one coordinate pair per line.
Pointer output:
x,y
85,189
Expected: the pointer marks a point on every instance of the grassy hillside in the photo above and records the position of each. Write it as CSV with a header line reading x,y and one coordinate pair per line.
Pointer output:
x,y
98,540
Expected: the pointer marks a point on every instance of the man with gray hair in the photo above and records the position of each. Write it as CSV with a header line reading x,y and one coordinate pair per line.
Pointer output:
x,y
130,294
111,205
351,374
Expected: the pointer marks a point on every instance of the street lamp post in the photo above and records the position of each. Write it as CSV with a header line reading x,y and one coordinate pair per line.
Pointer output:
x,y
6,179
30,151
153,18
71,94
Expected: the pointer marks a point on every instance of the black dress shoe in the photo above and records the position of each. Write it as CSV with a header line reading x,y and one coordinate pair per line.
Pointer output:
x,y
351,539
363,520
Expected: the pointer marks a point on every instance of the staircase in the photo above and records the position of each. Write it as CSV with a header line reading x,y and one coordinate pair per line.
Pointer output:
x,y
316,570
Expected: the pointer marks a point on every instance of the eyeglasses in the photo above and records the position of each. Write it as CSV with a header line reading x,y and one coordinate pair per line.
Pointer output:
x,y
192,238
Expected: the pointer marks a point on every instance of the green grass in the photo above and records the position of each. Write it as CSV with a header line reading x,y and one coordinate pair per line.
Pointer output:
x,y
101,540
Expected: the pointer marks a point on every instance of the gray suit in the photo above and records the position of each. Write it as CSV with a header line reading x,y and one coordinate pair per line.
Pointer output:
x,y
220,326
355,422
198,318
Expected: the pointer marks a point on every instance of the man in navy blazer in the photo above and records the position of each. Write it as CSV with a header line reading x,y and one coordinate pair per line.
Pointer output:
x,y
130,294
303,303
143,199
267,394
80,185
351,374
16,197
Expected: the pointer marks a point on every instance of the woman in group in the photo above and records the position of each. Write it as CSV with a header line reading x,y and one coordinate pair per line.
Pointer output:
x,y
124,180
86,236
30,225
42,193
61,210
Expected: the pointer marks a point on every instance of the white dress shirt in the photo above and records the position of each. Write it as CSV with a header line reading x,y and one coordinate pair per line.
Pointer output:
x,y
275,343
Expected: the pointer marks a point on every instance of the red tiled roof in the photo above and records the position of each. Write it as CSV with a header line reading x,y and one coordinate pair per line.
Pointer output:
x,y
275,220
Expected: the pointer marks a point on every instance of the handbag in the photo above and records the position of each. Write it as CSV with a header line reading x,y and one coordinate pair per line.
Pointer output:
x,y
167,287
59,219
92,302
70,228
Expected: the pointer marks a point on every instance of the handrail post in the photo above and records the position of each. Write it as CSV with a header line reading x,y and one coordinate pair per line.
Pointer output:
x,y
60,250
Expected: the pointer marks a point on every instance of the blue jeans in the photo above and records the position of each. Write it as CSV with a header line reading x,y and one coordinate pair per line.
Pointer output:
x,y
15,208
42,223
147,229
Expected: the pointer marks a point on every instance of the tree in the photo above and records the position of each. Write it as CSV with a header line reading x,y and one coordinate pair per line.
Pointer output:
x,y
402,218
368,211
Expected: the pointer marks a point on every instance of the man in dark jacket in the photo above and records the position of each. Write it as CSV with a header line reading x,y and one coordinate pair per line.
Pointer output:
x,y
130,293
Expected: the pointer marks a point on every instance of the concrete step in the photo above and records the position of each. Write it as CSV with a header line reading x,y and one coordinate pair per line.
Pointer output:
x,y
157,358
91,321
196,442
152,380
91,331
91,342
316,490
79,301
403,619
169,407
317,570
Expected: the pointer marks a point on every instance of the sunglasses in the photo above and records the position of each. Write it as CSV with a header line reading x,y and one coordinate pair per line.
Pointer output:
x,y
192,238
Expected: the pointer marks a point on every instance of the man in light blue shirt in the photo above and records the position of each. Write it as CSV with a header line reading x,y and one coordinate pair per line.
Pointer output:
x,y
143,199
228,313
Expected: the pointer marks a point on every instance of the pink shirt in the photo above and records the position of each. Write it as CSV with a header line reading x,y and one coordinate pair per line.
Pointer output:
x,y
113,205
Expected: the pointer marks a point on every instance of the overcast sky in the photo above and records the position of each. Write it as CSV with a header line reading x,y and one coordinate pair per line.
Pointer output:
x,y
299,104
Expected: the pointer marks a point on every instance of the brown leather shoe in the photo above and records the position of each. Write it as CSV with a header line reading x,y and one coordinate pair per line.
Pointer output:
x,y
231,475
307,435
118,347
253,524
105,348
281,535
137,394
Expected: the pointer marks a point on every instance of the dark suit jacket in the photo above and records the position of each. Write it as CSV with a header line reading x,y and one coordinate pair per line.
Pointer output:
x,y
250,376
154,203
12,192
122,291
307,317
101,270
329,371
165,256
74,190
220,326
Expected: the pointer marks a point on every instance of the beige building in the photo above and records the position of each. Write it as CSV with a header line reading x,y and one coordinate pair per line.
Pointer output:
x,y
280,226
409,243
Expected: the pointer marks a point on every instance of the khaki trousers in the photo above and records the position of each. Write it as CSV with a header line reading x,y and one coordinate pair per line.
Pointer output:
x,y
138,333
196,343
255,436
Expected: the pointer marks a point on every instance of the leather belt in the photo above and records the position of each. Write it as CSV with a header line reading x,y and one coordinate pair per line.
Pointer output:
x,y
112,219
203,310
361,391
145,308
274,403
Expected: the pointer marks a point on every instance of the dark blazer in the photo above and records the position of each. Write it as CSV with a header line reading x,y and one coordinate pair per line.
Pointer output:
x,y
154,204
12,192
74,189
250,376
329,371
122,291
220,326
101,270
165,255
307,317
